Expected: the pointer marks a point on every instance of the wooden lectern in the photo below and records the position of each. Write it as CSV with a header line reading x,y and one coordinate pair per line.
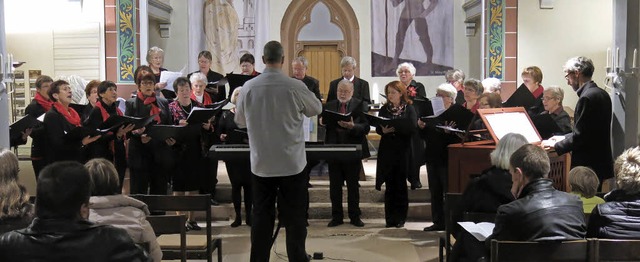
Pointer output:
x,y
468,160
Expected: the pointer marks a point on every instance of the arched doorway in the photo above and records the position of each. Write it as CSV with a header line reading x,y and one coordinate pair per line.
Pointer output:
x,y
323,54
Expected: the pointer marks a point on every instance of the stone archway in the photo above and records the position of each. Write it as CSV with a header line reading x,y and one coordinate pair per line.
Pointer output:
x,y
298,15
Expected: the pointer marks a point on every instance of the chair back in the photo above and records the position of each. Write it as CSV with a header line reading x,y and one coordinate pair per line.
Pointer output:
x,y
615,250
171,224
187,203
561,251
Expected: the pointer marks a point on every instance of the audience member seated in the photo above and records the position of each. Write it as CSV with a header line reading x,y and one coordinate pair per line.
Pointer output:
x,y
619,217
584,183
60,231
109,207
15,210
484,195
540,212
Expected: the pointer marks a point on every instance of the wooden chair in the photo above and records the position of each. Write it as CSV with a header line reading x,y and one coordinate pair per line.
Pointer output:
x,y
170,224
505,251
198,246
615,250
451,202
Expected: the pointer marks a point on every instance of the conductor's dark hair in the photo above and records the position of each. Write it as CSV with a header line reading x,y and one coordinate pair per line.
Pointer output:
x,y
55,88
273,52
532,160
181,81
63,187
248,58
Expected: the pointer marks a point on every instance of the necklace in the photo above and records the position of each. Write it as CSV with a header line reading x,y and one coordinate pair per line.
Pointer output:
x,y
185,108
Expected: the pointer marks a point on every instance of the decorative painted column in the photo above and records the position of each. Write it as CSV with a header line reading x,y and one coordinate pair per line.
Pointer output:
x,y
122,41
501,32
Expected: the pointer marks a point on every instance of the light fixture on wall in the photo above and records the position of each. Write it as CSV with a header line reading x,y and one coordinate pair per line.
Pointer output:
x,y
546,4
165,30
470,28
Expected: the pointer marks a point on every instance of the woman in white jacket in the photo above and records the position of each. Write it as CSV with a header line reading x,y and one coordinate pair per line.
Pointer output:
x,y
109,207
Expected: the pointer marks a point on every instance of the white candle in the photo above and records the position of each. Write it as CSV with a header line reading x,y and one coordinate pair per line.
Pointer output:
x,y
635,56
608,57
617,61
1,64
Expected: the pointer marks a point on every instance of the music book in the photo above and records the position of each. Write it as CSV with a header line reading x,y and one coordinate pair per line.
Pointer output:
x,y
456,113
218,105
78,107
423,106
163,132
115,121
521,97
400,124
169,77
80,132
330,117
236,80
211,85
199,115
238,136
168,94
480,230
545,125
24,123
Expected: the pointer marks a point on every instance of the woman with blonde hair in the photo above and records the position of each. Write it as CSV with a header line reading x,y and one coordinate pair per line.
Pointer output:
x,y
15,210
109,207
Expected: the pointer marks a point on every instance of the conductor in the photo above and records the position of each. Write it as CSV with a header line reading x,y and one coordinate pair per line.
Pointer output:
x,y
272,107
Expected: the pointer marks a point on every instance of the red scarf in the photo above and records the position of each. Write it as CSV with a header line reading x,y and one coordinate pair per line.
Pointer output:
x,y
155,110
538,92
104,113
206,99
43,102
69,113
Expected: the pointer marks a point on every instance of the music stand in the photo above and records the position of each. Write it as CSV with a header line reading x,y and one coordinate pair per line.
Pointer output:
x,y
501,121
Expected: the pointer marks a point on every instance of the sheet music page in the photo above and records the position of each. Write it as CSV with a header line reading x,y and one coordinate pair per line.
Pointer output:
x,y
512,122
306,124
438,105
168,77
480,230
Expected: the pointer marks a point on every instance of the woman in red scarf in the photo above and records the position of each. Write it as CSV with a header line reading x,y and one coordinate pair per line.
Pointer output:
x,y
151,162
38,106
111,145
63,142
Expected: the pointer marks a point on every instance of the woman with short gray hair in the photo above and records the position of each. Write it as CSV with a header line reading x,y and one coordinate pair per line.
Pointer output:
x,y
456,78
473,89
155,60
552,102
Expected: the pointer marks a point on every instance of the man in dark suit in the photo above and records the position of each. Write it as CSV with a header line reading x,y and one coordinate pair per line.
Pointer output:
x,y
299,66
346,132
590,141
360,87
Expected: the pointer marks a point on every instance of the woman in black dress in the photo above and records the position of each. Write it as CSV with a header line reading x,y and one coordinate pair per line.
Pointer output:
x,y
111,145
190,159
394,154
63,144
239,170
150,162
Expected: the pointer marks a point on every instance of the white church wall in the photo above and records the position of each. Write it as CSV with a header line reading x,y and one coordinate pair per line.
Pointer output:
x,y
547,38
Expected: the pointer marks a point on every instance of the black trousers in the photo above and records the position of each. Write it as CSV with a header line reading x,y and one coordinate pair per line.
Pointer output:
x,y
291,193
240,176
396,199
209,177
38,165
339,172
437,174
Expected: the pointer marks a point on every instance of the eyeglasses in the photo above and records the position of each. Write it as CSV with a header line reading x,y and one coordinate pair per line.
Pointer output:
x,y
147,83
547,98
566,75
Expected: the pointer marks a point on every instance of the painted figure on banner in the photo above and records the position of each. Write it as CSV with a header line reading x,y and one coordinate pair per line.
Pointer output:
x,y
221,30
430,49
